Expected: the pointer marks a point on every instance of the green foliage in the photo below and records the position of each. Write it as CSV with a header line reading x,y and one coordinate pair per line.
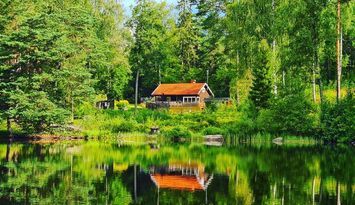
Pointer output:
x,y
290,113
244,126
57,54
125,126
211,106
337,121
120,194
122,105
188,40
85,109
34,112
177,132
153,52
108,123
213,131
261,89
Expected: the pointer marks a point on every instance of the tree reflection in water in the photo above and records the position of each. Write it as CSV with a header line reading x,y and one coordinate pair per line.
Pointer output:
x,y
104,173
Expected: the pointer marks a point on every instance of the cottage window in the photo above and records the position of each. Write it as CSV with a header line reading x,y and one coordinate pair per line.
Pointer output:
x,y
191,99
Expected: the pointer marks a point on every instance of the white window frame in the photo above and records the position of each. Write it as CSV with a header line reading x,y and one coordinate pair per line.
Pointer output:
x,y
188,99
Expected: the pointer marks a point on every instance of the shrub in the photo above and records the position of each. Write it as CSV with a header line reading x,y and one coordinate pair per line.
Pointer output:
x,y
85,109
211,106
213,131
178,132
125,126
290,113
190,125
245,126
337,121
198,126
248,109
144,114
211,120
121,105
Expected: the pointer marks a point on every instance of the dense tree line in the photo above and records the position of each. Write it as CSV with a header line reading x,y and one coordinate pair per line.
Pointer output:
x,y
56,55
220,41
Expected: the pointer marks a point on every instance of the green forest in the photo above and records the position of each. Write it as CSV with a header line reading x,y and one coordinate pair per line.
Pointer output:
x,y
288,65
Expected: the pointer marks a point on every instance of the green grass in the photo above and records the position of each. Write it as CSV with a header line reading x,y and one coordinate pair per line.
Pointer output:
x,y
111,124
104,123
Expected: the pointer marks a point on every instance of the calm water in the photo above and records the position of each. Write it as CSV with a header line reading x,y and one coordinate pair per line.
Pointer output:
x,y
108,173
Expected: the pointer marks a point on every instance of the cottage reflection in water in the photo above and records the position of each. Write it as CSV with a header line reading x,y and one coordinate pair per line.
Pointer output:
x,y
181,176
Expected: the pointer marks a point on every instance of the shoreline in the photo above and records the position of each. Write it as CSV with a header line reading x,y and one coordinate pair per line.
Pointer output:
x,y
146,138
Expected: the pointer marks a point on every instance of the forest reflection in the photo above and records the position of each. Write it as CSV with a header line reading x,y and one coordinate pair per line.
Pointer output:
x,y
108,173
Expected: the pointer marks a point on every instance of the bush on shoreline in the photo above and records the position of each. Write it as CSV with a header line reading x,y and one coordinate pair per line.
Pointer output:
x,y
337,121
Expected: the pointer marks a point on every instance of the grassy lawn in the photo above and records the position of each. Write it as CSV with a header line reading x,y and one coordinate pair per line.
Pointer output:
x,y
104,123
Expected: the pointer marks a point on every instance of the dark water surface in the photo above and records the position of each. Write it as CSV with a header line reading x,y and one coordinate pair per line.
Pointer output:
x,y
108,173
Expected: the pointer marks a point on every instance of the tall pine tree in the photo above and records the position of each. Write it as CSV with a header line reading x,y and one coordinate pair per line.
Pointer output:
x,y
260,93
189,40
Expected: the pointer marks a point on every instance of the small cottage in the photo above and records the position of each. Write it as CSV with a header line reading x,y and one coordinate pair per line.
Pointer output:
x,y
192,95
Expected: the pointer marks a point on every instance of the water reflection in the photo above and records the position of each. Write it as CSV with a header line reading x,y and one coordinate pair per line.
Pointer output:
x,y
105,173
180,176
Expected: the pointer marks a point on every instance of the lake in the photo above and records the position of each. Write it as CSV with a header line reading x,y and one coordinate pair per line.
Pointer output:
x,y
112,172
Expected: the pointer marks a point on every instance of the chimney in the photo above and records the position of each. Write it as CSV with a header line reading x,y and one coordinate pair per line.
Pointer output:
x,y
192,81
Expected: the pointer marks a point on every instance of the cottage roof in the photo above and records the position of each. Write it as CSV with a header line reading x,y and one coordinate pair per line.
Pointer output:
x,y
181,89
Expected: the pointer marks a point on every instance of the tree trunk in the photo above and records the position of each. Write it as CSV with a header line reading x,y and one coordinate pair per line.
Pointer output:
x,y
8,150
320,191
283,192
274,55
313,190
135,183
236,81
338,194
339,62
283,78
275,84
72,107
316,62
9,127
207,76
314,84
159,75
136,92
237,92
321,90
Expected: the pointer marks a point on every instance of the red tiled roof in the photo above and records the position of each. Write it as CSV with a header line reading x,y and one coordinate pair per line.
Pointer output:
x,y
178,89
176,182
